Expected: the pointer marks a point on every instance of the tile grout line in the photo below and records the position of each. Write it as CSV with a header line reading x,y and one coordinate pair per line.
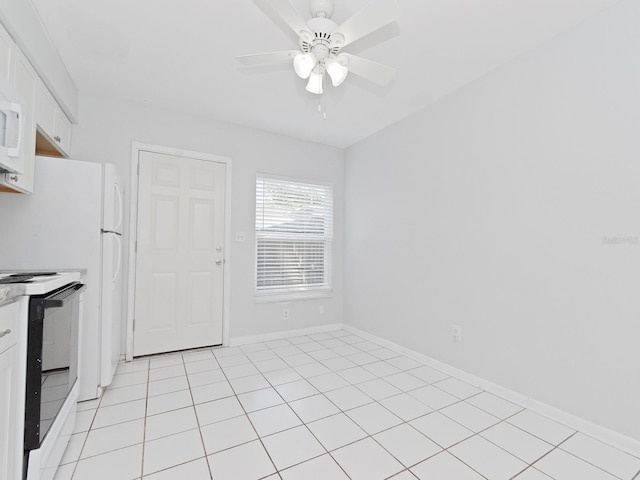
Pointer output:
x,y
371,436
144,423
84,443
247,416
76,463
195,412
580,458
296,414
183,364
555,447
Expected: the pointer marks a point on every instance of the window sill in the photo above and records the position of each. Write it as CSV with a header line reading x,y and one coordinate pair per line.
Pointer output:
x,y
291,296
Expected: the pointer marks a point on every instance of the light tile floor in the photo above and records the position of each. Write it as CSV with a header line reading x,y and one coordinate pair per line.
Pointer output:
x,y
330,406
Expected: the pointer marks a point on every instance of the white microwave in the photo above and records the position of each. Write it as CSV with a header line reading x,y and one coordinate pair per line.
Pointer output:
x,y
11,124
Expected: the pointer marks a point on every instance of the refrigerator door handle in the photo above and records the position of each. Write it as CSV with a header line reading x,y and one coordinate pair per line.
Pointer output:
x,y
119,265
120,209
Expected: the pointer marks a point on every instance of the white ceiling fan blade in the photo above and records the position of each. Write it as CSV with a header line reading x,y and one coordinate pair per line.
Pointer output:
x,y
373,71
267,58
374,15
287,12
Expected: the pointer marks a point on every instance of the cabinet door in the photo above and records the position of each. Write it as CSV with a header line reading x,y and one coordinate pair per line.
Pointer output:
x,y
8,395
7,413
25,79
62,132
54,127
6,44
45,110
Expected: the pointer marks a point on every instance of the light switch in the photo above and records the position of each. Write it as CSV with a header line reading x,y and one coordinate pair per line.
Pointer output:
x,y
239,236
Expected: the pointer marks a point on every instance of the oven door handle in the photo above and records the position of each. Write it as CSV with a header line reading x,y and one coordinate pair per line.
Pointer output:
x,y
60,297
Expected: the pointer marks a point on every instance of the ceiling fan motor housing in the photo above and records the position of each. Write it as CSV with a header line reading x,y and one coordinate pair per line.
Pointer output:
x,y
320,43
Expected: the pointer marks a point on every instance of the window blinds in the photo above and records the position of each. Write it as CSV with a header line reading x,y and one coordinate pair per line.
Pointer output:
x,y
294,230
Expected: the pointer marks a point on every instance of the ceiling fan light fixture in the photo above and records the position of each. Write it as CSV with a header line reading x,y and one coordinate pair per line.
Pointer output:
x,y
321,41
304,63
336,71
315,83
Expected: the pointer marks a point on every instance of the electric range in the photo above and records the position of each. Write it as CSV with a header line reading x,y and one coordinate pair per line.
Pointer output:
x,y
48,362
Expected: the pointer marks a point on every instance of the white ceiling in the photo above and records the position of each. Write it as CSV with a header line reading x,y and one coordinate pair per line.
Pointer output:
x,y
179,55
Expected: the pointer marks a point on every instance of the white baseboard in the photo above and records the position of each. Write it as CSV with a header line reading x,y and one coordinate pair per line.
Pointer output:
x,y
615,439
267,337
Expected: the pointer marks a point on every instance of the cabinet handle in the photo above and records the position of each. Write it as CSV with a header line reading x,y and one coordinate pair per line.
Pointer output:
x,y
5,333
57,139
13,178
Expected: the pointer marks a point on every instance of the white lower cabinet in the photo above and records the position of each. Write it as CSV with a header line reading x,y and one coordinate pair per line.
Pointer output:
x,y
7,413
11,410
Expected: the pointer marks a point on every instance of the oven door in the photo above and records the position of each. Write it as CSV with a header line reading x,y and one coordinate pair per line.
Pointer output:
x,y
52,358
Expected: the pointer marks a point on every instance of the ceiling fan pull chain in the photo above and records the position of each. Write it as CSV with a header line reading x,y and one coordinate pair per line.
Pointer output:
x,y
321,103
323,100
324,107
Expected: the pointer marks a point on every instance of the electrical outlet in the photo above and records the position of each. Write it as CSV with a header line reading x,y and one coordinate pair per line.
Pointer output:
x,y
456,333
285,314
239,236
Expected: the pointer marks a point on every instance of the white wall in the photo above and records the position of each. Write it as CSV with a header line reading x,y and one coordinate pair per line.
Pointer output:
x,y
489,211
106,131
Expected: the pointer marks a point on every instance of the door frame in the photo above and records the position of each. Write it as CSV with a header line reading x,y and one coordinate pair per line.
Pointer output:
x,y
136,148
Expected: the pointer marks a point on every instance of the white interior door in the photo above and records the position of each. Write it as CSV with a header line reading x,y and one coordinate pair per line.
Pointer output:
x,y
180,254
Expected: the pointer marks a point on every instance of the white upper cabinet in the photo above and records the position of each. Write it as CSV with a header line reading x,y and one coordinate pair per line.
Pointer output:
x,y
25,80
6,46
53,124
45,109
53,134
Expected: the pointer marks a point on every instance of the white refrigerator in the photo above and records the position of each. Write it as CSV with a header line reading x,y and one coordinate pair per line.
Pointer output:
x,y
73,220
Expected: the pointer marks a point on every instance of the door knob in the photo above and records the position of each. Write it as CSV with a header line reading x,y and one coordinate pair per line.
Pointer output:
x,y
219,262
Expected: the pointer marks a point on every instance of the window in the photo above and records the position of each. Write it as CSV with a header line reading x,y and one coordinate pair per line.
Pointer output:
x,y
294,231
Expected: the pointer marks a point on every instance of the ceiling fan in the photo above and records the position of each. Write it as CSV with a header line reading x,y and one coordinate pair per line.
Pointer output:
x,y
322,40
